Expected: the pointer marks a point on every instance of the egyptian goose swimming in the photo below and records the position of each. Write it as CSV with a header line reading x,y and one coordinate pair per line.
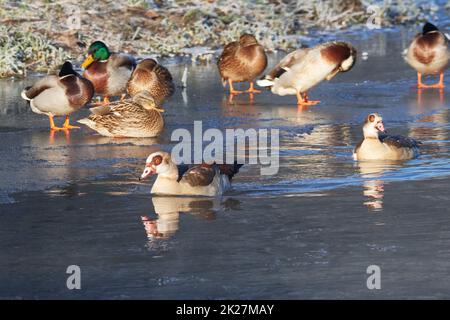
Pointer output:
x,y
139,117
108,72
429,54
152,77
201,180
59,95
302,69
242,60
377,145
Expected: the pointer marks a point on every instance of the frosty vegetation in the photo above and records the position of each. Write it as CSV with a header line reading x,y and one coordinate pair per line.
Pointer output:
x,y
39,35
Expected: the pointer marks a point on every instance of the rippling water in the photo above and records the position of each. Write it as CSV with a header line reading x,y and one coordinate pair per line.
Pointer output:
x,y
309,231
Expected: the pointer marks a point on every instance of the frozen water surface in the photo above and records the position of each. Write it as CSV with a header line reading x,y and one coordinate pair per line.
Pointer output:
x,y
310,231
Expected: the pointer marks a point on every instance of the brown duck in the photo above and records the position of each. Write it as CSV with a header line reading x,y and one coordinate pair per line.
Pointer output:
x,y
429,54
242,60
152,77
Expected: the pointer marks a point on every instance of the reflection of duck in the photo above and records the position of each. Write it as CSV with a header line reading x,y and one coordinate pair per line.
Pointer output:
x,y
302,69
429,54
200,180
376,146
168,210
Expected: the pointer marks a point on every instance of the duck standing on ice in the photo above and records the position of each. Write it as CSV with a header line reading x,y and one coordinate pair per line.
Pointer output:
x,y
429,54
302,69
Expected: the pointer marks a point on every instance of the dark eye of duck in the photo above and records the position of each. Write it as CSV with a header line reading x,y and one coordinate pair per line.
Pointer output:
x,y
157,160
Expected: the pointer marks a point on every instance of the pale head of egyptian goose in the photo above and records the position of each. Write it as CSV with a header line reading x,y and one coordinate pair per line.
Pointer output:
x,y
200,180
160,163
377,145
373,126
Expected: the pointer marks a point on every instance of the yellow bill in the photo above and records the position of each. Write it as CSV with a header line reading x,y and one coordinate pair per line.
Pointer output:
x,y
86,63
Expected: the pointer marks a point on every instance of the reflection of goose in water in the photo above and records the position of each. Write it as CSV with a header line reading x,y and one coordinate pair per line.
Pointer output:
x,y
168,211
373,184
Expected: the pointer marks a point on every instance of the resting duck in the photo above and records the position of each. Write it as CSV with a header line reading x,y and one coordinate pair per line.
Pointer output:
x,y
302,69
136,118
377,145
201,180
242,60
108,72
152,77
59,95
429,54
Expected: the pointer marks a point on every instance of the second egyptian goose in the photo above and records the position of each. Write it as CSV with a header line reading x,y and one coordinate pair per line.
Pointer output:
x,y
200,180
377,145
302,69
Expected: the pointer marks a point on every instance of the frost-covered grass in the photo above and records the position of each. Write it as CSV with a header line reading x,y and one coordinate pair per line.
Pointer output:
x,y
39,35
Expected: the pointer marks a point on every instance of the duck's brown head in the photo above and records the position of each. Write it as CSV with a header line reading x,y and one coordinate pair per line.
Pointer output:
x,y
373,126
247,40
148,64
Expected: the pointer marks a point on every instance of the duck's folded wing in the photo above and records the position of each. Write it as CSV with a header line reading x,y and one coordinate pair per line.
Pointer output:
x,y
228,51
202,175
40,86
100,110
124,61
287,62
399,141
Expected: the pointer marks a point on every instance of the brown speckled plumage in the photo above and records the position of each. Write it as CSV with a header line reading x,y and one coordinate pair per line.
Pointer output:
x,y
242,60
130,118
152,77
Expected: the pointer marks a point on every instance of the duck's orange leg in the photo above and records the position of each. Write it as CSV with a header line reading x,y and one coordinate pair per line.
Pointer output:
x,y
52,125
67,125
304,101
252,89
232,91
439,85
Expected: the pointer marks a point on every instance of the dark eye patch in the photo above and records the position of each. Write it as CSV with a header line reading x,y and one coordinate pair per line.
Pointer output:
x,y
157,160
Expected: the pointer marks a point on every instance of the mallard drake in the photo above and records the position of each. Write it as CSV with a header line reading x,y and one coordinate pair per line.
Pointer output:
x,y
136,118
302,69
429,54
200,180
108,72
377,145
242,60
152,77
59,95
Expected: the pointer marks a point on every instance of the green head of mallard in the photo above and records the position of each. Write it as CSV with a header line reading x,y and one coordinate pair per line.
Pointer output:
x,y
98,51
